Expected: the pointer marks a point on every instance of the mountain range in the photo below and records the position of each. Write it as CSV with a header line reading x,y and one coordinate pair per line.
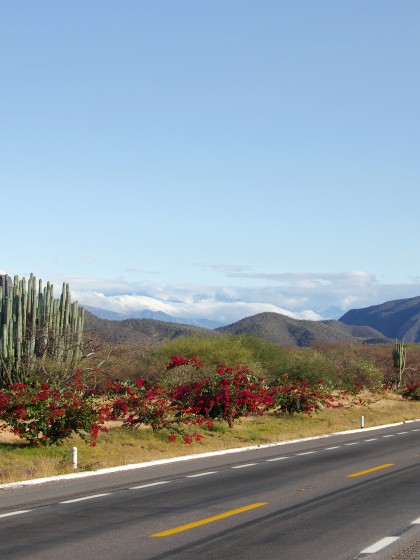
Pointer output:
x,y
376,324
395,319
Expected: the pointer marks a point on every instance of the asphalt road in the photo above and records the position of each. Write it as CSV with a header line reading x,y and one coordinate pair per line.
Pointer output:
x,y
337,498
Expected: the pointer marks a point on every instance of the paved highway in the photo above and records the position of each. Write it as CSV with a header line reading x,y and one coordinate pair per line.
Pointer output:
x,y
344,497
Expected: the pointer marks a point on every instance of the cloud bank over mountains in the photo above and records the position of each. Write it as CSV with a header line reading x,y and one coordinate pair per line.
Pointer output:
x,y
308,296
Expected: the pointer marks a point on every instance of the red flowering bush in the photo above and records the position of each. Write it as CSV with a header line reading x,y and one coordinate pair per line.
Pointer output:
x,y
151,404
45,415
411,391
177,361
227,395
298,396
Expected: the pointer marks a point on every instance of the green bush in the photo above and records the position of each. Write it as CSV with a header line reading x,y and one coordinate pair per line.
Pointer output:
x,y
272,358
213,351
362,373
309,364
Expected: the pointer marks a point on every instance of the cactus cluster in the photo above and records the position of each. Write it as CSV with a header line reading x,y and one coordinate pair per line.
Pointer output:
x,y
399,355
34,326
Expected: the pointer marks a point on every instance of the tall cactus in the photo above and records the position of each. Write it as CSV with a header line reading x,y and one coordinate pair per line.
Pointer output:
x,y
34,326
399,355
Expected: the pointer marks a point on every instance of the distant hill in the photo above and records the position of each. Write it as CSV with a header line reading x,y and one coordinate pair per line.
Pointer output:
x,y
274,327
295,332
139,330
158,315
395,319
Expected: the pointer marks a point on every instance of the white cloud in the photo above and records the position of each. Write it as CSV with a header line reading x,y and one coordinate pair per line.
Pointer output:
x,y
309,296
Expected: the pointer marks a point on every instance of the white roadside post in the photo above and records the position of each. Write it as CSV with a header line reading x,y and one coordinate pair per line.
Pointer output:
x,y
362,421
74,457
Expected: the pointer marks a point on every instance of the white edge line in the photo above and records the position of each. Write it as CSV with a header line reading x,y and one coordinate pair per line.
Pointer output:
x,y
386,541
84,498
15,512
133,466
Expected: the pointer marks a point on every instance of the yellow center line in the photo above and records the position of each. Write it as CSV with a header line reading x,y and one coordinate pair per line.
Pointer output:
x,y
208,520
367,471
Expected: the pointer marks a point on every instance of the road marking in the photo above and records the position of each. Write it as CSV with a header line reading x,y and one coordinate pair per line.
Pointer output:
x,y
333,447
277,459
371,439
401,433
386,541
367,471
306,453
200,474
150,484
208,520
352,443
244,466
389,435
15,512
84,498
416,521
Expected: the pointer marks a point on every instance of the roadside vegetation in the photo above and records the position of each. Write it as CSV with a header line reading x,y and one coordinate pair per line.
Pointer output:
x,y
147,402
122,446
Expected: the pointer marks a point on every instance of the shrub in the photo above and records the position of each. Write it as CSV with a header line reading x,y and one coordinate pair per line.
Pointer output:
x,y
45,415
212,351
411,391
363,373
310,364
228,394
299,397
146,403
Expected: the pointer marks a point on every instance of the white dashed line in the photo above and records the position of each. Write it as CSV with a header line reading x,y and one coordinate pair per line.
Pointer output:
x,y
277,459
150,484
388,435
333,447
376,547
371,439
306,453
85,498
352,443
244,466
200,474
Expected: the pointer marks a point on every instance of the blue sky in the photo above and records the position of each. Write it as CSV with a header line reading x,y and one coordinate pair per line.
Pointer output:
x,y
212,158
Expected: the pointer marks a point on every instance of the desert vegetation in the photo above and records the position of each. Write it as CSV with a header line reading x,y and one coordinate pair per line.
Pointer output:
x,y
190,387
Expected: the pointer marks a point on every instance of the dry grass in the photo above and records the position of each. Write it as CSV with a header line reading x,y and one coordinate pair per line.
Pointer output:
x,y
121,446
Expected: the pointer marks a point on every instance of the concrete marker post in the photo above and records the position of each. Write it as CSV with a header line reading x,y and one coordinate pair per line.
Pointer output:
x,y
74,457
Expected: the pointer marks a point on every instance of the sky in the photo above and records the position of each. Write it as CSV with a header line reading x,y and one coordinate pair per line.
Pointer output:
x,y
212,159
